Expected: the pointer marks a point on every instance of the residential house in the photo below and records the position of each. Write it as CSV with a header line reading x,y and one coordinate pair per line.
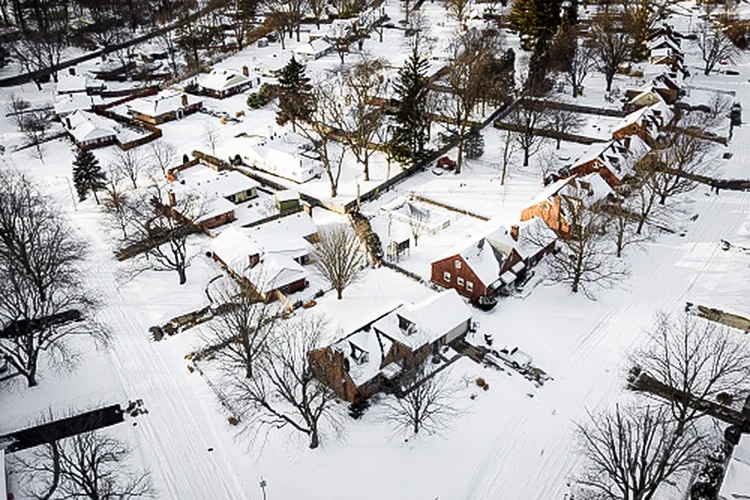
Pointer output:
x,y
736,482
68,103
673,59
163,107
377,356
221,83
89,130
614,160
550,204
641,98
286,155
271,274
292,235
215,194
664,41
78,84
272,65
646,123
498,257
667,88
314,49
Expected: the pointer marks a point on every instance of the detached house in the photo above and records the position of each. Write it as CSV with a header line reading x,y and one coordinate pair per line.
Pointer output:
x,y
614,161
286,155
270,274
646,123
88,130
495,259
315,49
163,108
68,103
550,204
377,356
221,83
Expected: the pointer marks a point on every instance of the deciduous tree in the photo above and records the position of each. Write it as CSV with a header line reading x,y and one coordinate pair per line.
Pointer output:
x,y
339,256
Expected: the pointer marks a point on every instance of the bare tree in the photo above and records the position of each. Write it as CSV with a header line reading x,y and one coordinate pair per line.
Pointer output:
x,y
611,46
36,125
696,360
211,136
640,18
115,202
585,259
624,222
243,326
561,121
418,221
528,120
457,9
360,123
580,63
715,47
339,256
674,167
128,165
510,147
162,155
328,108
42,300
91,465
472,52
428,403
630,453
16,108
283,391
317,9
159,224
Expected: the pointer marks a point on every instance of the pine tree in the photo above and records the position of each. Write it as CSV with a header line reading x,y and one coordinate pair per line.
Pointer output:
x,y
295,94
87,174
535,20
412,130
474,145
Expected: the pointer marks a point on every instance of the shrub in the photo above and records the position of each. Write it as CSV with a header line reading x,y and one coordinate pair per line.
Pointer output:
x,y
263,96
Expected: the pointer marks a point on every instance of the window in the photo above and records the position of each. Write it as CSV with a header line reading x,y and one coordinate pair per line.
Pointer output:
x,y
457,263
470,286
447,276
460,281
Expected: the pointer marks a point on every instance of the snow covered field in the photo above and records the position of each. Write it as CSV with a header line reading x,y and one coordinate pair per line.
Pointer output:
x,y
514,441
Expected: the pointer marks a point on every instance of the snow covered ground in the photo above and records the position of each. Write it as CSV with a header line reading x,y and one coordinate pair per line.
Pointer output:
x,y
514,441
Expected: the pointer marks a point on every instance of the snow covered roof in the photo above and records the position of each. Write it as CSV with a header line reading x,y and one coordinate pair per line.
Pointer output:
x,y
340,28
549,192
223,79
487,255
287,235
77,83
663,41
85,126
287,195
160,104
590,189
210,183
315,48
68,103
615,156
534,235
736,484
420,324
365,351
274,269
286,155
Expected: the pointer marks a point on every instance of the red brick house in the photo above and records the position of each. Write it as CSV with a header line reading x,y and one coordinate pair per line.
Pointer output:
x,y
614,160
88,130
376,357
163,108
590,190
494,260
221,83
269,273
646,123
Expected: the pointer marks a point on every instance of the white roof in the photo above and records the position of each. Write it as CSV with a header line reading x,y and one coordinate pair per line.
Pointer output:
x,y
432,319
284,155
287,195
76,83
534,235
287,235
736,484
314,48
87,126
211,183
68,103
275,270
364,368
549,192
615,156
223,79
663,40
596,190
160,104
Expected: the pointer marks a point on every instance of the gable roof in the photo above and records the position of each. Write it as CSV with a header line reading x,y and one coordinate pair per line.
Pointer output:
x,y
313,48
223,79
615,156
432,319
158,105
85,126
67,103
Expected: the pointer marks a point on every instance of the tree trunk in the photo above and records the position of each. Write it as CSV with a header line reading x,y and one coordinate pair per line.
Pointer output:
x,y
366,163
314,438
183,275
248,369
339,291
609,77
31,374
525,156
459,160
558,142
662,199
96,197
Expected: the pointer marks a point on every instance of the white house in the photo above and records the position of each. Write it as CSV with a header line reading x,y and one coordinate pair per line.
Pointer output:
x,y
313,50
272,65
68,103
221,83
285,156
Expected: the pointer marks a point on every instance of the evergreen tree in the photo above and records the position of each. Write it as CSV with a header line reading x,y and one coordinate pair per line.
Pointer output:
x,y
295,94
474,145
87,174
535,20
413,129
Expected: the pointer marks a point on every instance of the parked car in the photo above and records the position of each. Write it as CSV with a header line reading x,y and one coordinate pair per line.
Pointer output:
x,y
512,356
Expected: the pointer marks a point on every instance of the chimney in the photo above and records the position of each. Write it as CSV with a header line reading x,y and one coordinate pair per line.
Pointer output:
x,y
172,199
184,99
514,232
72,71
245,71
254,260
67,123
